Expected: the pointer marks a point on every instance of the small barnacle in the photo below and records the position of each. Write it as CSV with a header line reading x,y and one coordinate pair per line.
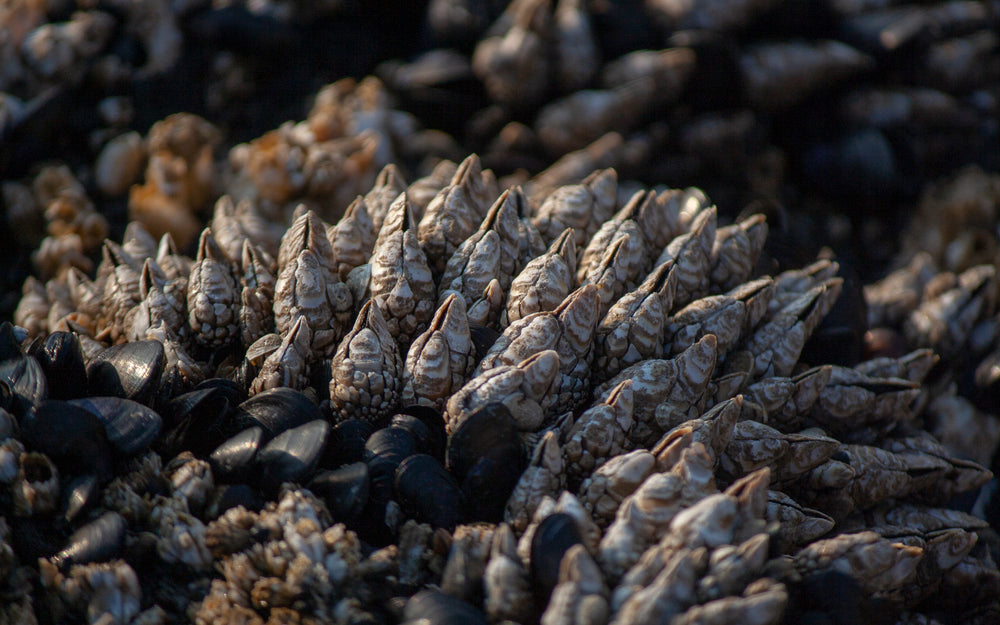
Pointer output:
x,y
441,359
212,295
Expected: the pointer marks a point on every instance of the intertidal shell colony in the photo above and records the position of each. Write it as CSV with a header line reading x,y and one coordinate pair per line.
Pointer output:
x,y
350,399
585,408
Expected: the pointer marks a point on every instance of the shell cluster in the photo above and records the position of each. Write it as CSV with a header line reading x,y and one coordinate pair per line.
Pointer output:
x,y
457,403
344,372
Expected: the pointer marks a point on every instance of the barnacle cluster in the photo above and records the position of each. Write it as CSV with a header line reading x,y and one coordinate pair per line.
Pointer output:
x,y
346,372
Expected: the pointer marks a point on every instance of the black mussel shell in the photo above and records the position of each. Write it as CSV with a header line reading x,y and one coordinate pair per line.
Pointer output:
x,y
430,433
61,358
10,347
98,541
129,370
82,492
553,538
391,443
483,338
345,490
428,493
233,460
277,410
227,388
72,437
7,424
198,422
131,426
24,384
486,457
292,456
346,443
229,496
433,607
32,539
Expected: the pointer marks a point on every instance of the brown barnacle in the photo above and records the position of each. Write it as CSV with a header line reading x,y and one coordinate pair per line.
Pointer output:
x,y
273,165
32,311
913,366
107,592
861,407
581,594
399,278
389,183
691,253
289,364
598,434
627,222
576,55
964,430
633,328
170,260
729,317
56,256
57,50
352,238
893,298
366,369
735,252
60,302
544,476
506,581
778,75
191,480
513,61
790,285
777,343
121,292
945,321
180,536
584,207
798,525
762,603
441,359
35,490
456,212
647,513
212,295
878,564
307,286
524,388
732,567
544,282
755,445
177,357
119,164
338,171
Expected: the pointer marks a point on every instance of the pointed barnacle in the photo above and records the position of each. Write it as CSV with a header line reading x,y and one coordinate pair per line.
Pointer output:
x,y
598,434
913,366
227,227
665,586
441,359
894,297
735,252
603,491
352,238
610,273
798,525
400,279
692,256
945,321
389,183
523,388
778,75
755,445
777,343
170,260
212,296
729,317
177,357
33,308
878,564
60,302
159,304
577,57
307,232
306,286
582,207
137,242
645,515
544,476
569,330
121,293
544,282
289,364
514,62
625,223
862,408
506,581
257,295
667,392
936,475
782,402
366,369
714,430
790,285
425,189
455,212
85,294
